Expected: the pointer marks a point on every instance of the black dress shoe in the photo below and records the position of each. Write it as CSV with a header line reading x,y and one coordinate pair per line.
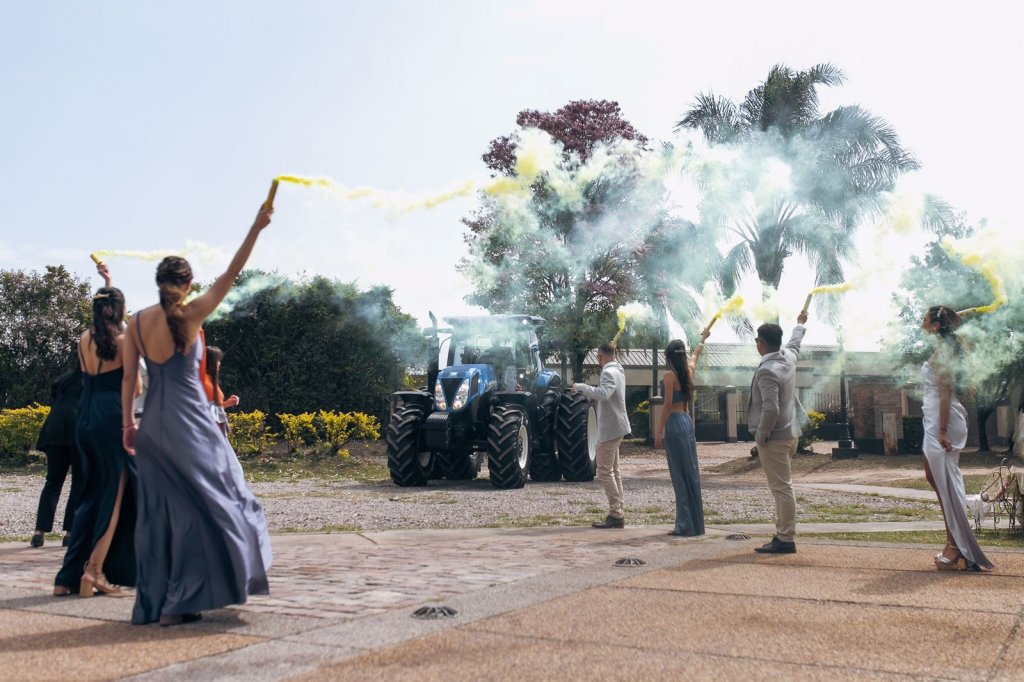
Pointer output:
x,y
610,522
37,540
66,541
183,619
777,546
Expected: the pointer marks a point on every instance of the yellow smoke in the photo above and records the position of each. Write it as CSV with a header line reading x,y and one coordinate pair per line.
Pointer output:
x,y
98,256
840,288
733,305
398,202
621,314
986,267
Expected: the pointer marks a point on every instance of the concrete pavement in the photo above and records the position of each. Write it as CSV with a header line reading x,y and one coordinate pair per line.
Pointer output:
x,y
540,604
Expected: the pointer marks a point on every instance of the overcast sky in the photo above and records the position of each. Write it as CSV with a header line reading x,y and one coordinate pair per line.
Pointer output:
x,y
144,125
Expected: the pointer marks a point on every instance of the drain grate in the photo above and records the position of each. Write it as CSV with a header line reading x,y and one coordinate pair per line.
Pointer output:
x,y
737,536
434,612
630,561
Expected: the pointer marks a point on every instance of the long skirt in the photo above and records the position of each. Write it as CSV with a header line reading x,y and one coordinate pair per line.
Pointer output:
x,y
681,451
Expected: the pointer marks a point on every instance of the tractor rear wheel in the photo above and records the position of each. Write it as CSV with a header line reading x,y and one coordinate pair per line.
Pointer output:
x,y
544,467
544,464
576,435
456,466
508,447
409,465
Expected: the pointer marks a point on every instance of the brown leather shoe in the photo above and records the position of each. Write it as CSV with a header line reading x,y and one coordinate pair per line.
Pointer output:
x,y
610,522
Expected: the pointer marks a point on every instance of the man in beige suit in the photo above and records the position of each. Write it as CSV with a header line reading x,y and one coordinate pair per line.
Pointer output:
x,y
612,427
773,419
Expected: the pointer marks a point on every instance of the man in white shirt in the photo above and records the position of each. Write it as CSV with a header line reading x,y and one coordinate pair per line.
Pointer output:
x,y
612,427
772,418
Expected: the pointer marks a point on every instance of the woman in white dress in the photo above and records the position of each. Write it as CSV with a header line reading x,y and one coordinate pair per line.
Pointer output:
x,y
945,434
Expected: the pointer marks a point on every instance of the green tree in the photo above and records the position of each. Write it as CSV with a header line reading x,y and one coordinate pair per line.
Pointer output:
x,y
572,262
41,318
320,344
839,166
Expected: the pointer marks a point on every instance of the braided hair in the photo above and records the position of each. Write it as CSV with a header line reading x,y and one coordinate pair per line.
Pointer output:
x,y
107,316
171,274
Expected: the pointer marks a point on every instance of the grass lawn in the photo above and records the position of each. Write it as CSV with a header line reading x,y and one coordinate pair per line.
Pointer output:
x,y
986,538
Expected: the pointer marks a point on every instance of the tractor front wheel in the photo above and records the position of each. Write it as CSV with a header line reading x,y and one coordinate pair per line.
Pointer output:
x,y
576,435
409,465
508,447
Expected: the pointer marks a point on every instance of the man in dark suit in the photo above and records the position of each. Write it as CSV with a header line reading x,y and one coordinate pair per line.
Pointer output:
x,y
57,440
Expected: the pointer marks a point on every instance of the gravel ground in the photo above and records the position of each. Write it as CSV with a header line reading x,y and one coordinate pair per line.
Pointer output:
x,y
317,505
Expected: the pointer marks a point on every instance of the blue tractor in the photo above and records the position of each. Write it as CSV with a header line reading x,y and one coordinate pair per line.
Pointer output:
x,y
489,395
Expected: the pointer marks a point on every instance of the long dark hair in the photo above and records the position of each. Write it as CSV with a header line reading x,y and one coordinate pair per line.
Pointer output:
x,y
107,316
173,272
214,356
675,358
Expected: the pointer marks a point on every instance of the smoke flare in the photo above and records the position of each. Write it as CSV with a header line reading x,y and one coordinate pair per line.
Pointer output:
x,y
733,305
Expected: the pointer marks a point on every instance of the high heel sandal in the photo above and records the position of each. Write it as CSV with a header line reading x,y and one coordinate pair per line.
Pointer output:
x,y
945,564
91,584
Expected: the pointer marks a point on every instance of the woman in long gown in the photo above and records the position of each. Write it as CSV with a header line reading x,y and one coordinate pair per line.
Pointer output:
x,y
675,433
945,434
102,532
201,537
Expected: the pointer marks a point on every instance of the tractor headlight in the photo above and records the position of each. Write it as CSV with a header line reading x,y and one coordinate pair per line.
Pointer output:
x,y
439,397
461,396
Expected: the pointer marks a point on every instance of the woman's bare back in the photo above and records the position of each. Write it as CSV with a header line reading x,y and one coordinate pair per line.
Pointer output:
x,y
151,324
90,362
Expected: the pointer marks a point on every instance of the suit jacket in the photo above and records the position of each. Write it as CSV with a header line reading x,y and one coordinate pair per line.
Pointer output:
x,y
610,394
59,427
772,411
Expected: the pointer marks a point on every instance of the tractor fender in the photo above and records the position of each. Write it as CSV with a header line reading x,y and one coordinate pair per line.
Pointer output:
x,y
420,398
524,399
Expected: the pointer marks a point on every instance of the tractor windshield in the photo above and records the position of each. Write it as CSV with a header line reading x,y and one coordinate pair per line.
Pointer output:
x,y
512,351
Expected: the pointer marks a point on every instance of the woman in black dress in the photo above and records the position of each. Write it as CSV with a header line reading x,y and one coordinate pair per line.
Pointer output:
x,y
102,535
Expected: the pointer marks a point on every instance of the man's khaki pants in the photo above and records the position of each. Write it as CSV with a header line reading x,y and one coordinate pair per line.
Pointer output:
x,y
608,474
776,456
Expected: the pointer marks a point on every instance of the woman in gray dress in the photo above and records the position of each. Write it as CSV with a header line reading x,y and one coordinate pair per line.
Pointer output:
x,y
945,434
201,537
675,433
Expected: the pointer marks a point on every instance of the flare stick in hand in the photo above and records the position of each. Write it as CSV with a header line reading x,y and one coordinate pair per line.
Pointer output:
x,y
95,258
269,203
807,303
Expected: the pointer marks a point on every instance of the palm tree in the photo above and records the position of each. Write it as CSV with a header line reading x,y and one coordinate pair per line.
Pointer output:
x,y
840,163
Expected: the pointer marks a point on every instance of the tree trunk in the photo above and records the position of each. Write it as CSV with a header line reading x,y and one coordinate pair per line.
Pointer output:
x,y
577,367
983,415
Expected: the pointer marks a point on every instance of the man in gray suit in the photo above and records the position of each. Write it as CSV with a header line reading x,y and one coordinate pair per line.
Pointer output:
x,y
773,419
612,427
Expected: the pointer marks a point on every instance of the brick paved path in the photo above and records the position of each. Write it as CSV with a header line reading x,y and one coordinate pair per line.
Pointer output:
x,y
348,575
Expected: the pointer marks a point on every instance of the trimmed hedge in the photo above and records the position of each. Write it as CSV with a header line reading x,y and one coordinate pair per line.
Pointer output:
x,y
19,430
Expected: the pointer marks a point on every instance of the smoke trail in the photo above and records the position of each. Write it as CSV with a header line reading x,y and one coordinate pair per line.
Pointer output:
x,y
731,307
135,255
840,288
976,259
